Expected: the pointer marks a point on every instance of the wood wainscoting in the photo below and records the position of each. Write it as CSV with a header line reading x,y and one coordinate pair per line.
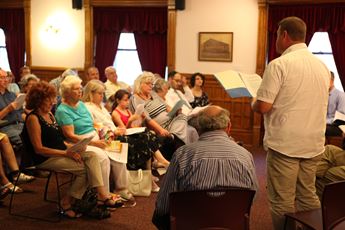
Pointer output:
x,y
48,73
243,119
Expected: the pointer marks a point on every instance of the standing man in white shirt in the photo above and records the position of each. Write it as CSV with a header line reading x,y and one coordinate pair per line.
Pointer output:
x,y
293,98
174,94
112,85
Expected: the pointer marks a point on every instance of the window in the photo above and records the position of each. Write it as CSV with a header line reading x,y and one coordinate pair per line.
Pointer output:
x,y
3,53
321,47
127,62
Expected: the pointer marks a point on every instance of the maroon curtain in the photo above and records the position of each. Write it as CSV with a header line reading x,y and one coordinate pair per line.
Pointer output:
x,y
149,24
106,48
152,51
319,18
12,22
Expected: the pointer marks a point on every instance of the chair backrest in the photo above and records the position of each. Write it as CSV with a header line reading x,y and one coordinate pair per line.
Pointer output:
x,y
333,204
211,209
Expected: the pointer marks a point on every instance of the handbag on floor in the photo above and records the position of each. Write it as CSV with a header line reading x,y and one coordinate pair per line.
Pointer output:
x,y
140,182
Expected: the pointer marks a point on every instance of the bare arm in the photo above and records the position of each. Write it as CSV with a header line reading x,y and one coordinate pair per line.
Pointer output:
x,y
34,128
261,106
115,116
68,132
152,124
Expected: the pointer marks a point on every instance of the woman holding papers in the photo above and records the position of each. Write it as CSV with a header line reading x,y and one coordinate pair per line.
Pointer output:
x,y
49,151
77,123
197,81
141,146
156,111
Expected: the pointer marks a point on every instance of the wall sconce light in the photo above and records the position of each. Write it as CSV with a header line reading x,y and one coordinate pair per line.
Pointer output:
x,y
58,32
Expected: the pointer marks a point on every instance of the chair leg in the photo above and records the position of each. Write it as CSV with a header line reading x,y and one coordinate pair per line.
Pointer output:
x,y
46,188
12,193
32,217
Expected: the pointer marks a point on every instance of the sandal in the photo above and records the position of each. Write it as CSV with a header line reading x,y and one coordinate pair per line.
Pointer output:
x,y
67,213
10,186
4,191
110,203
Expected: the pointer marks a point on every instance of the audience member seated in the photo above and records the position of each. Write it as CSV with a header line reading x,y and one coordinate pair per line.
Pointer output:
x,y
174,94
7,155
213,162
12,85
77,123
197,81
27,82
13,124
92,73
173,133
142,94
336,102
141,146
25,70
112,84
49,150
57,81
331,168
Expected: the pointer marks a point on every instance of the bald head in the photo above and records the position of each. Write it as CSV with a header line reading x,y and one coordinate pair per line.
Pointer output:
x,y
213,118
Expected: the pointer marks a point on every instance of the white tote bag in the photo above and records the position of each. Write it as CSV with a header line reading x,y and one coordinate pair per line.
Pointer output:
x,y
140,182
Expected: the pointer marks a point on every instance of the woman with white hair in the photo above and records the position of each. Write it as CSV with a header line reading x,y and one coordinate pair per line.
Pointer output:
x,y
77,123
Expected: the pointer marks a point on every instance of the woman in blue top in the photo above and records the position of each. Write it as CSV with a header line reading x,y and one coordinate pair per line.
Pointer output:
x,y
77,123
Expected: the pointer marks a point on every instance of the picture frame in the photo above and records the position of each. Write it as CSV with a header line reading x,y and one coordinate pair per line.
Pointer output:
x,y
215,46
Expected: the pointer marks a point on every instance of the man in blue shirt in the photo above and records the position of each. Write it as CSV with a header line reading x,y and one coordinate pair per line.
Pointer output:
x,y
336,102
13,121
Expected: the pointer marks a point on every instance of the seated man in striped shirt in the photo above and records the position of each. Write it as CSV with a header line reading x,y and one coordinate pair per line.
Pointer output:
x,y
214,161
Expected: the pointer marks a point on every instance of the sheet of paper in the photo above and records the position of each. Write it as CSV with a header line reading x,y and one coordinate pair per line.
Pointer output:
x,y
131,131
20,99
339,116
80,144
139,110
120,156
252,82
176,107
238,84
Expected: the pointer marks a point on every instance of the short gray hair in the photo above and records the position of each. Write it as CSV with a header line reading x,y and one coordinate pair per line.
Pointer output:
x,y
158,84
28,77
142,78
67,84
213,118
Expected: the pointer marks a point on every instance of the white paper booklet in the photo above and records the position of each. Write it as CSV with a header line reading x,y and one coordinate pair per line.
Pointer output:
x,y
131,131
20,99
139,110
77,147
176,107
238,84
120,154
339,117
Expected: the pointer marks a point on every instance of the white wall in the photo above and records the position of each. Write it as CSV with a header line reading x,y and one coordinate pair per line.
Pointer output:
x,y
237,16
57,34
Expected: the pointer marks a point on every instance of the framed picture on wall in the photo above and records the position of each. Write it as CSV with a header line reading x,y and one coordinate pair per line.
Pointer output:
x,y
215,46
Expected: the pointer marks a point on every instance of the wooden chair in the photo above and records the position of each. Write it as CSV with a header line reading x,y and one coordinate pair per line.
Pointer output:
x,y
331,215
211,209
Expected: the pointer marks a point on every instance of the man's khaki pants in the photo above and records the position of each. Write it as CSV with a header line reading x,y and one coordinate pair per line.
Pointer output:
x,y
289,180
